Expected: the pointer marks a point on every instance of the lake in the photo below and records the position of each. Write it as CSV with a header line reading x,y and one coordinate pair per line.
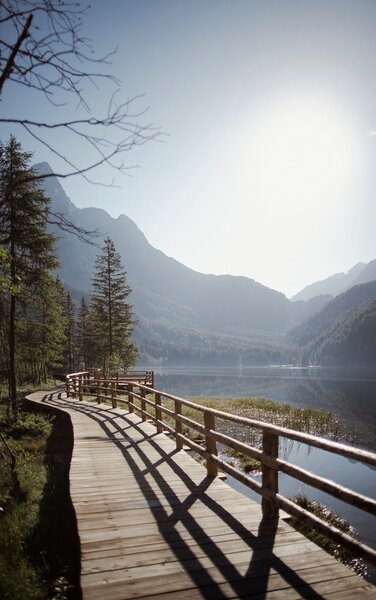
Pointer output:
x,y
351,395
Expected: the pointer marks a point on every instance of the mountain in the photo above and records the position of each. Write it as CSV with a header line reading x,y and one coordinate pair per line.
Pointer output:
x,y
170,298
190,318
327,323
335,284
350,341
301,310
366,274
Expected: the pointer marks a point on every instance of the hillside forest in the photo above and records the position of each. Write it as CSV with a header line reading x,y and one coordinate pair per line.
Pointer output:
x,y
40,329
68,303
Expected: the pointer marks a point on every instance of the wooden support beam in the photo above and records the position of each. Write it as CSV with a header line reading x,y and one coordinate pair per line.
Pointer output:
x,y
211,444
270,476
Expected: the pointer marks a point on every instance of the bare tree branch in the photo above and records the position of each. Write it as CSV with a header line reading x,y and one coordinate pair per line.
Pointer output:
x,y
43,49
15,50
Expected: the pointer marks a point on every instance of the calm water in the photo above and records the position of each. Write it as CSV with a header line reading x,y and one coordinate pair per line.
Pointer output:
x,y
349,394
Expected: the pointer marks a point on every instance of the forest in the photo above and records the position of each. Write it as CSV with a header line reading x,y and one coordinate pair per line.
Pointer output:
x,y
41,332
47,328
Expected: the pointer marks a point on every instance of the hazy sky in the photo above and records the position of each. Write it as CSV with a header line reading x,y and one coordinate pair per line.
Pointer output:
x,y
269,166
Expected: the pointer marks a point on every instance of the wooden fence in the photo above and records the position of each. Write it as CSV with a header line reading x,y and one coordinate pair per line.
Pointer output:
x,y
148,403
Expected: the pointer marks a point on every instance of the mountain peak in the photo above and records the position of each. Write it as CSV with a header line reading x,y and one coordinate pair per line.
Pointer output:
x,y
337,283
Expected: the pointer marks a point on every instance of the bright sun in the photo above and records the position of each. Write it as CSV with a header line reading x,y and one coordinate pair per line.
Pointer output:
x,y
300,151
286,185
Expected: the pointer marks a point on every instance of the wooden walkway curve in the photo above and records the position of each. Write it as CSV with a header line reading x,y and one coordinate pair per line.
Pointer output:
x,y
153,525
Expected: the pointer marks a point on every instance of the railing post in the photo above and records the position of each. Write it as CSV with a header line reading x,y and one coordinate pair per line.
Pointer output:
x,y
80,388
178,425
130,398
98,391
269,475
67,386
113,394
211,444
143,405
158,412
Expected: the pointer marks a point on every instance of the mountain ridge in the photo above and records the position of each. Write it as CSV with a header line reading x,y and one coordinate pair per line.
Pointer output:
x,y
338,282
187,317
220,303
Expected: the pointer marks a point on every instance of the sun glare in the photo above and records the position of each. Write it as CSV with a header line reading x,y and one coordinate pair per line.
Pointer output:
x,y
300,150
286,187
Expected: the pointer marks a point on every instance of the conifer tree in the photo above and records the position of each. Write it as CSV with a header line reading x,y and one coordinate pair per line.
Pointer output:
x,y
69,311
41,333
112,316
83,336
23,234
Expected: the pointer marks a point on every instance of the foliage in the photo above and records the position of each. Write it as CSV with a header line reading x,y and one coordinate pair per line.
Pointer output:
x,y
21,514
29,424
343,332
42,334
30,250
351,341
69,310
164,342
33,563
112,315
83,336
6,284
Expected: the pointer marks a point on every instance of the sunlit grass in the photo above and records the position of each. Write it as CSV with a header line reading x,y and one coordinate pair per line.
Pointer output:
x,y
324,513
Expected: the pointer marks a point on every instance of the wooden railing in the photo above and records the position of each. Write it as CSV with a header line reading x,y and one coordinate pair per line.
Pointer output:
x,y
148,403
92,379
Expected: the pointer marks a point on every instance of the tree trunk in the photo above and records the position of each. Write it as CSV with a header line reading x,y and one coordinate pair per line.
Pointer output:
x,y
12,356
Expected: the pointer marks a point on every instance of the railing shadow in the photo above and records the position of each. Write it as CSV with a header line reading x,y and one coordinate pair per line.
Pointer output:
x,y
221,579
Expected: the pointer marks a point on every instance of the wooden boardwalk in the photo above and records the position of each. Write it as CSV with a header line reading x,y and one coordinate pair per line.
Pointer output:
x,y
153,525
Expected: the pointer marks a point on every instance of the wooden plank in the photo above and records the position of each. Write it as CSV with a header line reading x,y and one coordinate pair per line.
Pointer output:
x,y
151,524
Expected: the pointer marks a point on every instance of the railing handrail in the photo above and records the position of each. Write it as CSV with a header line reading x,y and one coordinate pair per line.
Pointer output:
x,y
298,436
268,456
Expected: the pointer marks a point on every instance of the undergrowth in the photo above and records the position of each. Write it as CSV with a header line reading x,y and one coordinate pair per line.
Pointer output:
x,y
334,548
32,565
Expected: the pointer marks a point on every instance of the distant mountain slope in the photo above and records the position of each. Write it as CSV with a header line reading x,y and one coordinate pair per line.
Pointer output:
x,y
350,341
186,317
302,310
367,274
335,284
164,290
309,333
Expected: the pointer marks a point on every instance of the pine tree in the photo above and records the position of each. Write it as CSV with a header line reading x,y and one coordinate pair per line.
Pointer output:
x,y
112,316
69,311
83,336
41,334
23,234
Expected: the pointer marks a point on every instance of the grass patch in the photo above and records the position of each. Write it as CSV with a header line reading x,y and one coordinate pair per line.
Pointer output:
x,y
38,540
313,421
246,463
317,422
308,420
320,510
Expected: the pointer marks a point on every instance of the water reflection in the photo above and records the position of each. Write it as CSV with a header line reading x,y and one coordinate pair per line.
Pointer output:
x,y
349,394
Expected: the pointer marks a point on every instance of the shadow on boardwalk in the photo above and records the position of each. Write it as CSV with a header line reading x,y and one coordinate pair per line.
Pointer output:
x,y
218,549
